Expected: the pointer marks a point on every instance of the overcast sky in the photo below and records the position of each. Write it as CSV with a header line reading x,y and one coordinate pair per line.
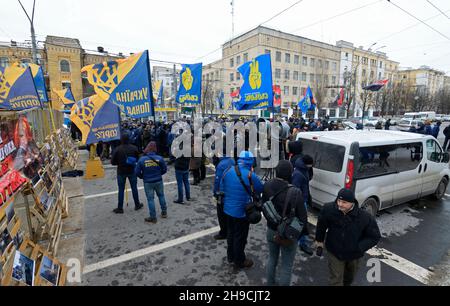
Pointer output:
x,y
185,31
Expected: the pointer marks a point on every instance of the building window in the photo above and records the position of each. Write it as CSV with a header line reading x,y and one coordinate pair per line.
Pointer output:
x,y
287,58
278,56
311,77
333,79
238,76
371,74
295,76
333,93
320,63
231,77
305,61
287,74
379,75
245,57
381,64
231,62
267,51
303,91
365,60
327,65
286,90
325,79
25,61
346,54
304,76
65,85
334,66
295,91
64,66
4,62
277,73
312,62
296,59
318,78
356,58
238,60
364,72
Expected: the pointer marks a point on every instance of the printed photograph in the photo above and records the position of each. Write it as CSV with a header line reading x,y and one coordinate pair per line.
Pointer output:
x,y
10,212
49,271
23,269
5,240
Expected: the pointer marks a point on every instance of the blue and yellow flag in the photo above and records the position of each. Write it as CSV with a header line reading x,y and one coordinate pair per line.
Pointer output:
x,y
97,119
17,89
158,89
39,81
257,90
307,102
124,82
190,90
65,96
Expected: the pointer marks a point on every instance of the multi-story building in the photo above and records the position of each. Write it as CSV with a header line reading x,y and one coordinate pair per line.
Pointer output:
x,y
299,62
424,80
61,59
169,78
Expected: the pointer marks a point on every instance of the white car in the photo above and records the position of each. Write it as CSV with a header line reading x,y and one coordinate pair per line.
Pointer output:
x,y
406,124
383,168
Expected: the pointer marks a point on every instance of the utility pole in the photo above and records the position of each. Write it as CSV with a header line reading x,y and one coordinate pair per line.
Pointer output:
x,y
174,85
33,34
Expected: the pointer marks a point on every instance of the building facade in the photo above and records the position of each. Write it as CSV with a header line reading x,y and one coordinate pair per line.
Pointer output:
x,y
424,80
169,78
61,59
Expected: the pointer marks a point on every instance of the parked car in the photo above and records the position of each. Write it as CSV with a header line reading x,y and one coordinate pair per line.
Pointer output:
x,y
384,168
406,124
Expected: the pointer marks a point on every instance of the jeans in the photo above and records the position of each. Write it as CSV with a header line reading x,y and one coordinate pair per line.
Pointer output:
x,y
287,260
150,189
183,179
121,180
342,273
237,239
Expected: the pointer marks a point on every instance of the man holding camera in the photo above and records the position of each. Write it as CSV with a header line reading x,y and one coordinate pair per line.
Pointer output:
x,y
240,186
351,232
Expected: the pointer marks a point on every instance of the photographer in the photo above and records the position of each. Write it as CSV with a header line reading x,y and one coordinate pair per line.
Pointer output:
x,y
240,186
277,189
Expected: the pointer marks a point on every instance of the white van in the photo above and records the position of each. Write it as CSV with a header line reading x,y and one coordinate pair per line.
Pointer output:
x,y
384,168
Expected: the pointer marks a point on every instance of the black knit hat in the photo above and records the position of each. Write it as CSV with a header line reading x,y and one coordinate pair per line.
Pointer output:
x,y
284,170
346,195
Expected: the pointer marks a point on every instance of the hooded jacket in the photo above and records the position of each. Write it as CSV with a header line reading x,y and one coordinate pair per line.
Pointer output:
x,y
300,178
349,236
236,197
224,164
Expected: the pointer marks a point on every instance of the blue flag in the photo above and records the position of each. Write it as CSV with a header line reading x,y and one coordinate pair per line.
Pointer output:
x,y
17,89
257,90
39,81
97,119
190,90
307,102
126,83
220,99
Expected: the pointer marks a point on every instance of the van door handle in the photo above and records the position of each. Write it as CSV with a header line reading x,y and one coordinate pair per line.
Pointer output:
x,y
425,169
420,168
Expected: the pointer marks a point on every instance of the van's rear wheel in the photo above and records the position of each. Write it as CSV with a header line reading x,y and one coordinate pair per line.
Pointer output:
x,y
371,206
440,190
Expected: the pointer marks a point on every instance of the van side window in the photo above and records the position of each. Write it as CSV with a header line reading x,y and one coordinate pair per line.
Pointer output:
x,y
327,156
376,160
408,156
434,152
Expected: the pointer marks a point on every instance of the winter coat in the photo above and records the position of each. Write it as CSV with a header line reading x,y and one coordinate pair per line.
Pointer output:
x,y
182,163
349,236
300,178
224,164
236,197
119,158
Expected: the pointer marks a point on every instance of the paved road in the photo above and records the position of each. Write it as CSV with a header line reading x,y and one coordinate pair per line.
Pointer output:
x,y
124,250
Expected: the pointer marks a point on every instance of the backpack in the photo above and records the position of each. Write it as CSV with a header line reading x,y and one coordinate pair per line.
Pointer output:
x,y
290,228
268,208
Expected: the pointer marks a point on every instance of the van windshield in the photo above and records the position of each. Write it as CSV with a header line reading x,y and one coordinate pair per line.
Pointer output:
x,y
327,156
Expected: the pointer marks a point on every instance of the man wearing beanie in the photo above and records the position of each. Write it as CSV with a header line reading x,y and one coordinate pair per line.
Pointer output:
x,y
151,168
351,232
277,188
236,198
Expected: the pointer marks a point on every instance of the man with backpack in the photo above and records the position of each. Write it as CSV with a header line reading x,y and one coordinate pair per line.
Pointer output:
x,y
288,201
350,232
240,186
151,167
125,158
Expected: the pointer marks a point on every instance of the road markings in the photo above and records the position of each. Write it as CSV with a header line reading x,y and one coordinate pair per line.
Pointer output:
x,y
152,249
399,263
99,195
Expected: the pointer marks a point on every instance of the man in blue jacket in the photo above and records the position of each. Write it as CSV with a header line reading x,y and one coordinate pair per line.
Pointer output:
x,y
151,168
300,179
236,199
222,168
435,130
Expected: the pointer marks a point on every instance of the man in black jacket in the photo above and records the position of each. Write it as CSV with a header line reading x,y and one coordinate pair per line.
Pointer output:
x,y
278,187
351,232
125,157
447,138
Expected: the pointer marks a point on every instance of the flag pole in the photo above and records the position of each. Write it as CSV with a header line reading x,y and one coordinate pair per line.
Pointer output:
x,y
152,102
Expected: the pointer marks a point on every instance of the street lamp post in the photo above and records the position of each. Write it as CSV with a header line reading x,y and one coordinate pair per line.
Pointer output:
x,y
33,34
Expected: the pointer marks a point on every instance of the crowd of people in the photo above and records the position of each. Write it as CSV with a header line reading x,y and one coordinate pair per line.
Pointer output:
x,y
143,152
